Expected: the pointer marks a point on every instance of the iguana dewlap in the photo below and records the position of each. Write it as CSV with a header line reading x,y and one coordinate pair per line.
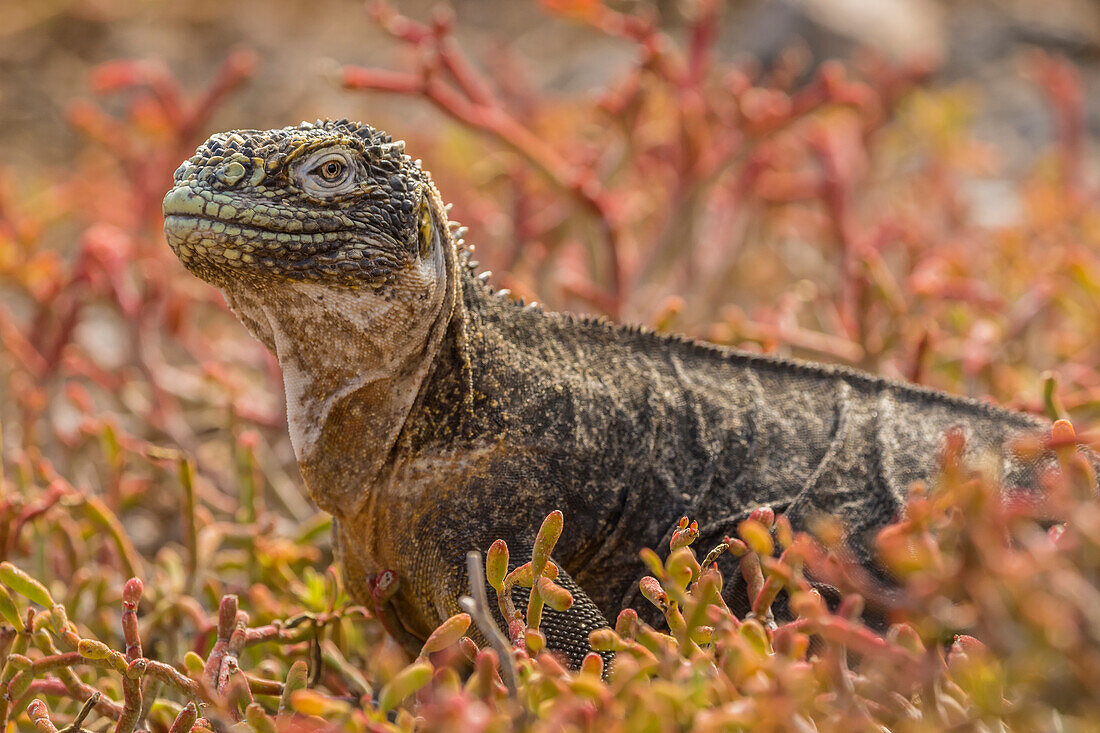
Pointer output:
x,y
432,417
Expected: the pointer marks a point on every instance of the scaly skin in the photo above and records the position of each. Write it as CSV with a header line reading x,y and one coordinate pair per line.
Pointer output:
x,y
432,417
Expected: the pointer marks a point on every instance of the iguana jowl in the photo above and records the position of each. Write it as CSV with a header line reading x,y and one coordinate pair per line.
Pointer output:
x,y
432,417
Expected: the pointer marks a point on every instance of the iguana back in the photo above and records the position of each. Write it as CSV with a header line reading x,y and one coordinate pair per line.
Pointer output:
x,y
626,431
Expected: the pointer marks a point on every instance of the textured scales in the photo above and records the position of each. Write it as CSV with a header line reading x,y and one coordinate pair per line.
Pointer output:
x,y
432,417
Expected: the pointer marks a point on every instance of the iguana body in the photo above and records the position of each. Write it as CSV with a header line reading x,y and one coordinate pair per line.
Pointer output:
x,y
432,417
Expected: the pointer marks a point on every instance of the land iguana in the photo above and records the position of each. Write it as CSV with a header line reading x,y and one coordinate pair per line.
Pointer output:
x,y
431,416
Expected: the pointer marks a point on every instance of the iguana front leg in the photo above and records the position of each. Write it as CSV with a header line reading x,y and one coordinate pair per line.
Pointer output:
x,y
392,595
566,631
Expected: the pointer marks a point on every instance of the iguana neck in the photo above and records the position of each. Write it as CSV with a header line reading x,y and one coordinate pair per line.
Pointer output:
x,y
354,362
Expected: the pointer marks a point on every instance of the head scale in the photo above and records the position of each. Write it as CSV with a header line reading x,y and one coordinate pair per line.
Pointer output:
x,y
335,203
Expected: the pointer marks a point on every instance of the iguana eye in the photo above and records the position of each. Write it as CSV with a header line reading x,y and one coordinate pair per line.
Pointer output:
x,y
331,170
327,173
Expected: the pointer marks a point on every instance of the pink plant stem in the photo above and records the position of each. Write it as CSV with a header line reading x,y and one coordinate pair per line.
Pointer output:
x,y
474,104
48,686
701,45
834,194
227,615
131,708
235,70
1061,82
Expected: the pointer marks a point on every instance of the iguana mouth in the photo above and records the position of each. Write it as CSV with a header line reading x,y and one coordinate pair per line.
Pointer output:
x,y
219,241
262,214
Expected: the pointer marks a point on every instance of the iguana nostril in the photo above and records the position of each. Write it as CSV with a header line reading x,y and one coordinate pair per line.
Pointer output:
x,y
231,174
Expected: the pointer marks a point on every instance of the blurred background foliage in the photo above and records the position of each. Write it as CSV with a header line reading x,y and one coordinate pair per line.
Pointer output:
x,y
905,186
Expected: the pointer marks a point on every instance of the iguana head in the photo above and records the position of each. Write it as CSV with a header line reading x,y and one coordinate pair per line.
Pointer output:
x,y
332,246
336,203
